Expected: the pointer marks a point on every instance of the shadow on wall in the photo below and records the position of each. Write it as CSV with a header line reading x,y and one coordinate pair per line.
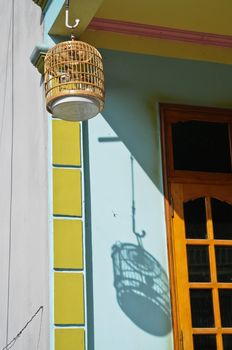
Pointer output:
x,y
141,283
142,288
136,83
131,112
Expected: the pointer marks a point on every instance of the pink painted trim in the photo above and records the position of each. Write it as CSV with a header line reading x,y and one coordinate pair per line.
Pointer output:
x,y
152,31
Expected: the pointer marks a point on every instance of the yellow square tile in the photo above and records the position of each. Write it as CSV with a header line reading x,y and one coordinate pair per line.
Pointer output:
x,y
69,298
67,192
68,248
70,339
66,143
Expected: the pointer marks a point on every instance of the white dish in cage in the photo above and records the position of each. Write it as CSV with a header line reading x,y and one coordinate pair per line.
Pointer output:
x,y
74,108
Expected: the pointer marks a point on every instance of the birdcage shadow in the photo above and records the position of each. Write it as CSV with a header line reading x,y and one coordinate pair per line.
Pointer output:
x,y
142,288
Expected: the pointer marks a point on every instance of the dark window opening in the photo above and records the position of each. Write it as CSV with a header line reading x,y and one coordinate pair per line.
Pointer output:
x,y
201,146
206,342
222,219
202,308
198,263
195,219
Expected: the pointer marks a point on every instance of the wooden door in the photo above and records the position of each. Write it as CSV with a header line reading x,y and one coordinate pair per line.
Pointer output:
x,y
201,233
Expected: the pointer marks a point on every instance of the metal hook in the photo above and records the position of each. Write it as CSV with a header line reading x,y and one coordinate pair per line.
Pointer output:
x,y
77,21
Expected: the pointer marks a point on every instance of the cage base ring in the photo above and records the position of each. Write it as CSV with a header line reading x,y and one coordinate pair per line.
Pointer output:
x,y
73,108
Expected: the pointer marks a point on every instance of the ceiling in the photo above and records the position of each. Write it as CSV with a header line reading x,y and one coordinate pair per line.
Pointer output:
x,y
209,16
190,29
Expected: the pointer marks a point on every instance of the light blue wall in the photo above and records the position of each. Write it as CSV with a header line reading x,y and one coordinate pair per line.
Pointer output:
x,y
111,202
134,86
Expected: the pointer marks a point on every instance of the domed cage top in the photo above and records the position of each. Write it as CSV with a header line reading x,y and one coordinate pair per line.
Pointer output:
x,y
74,68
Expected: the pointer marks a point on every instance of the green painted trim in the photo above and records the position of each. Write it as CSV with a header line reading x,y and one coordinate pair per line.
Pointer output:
x,y
37,57
41,3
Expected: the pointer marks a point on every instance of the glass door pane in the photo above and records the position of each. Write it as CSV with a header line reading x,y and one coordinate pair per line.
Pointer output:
x,y
204,342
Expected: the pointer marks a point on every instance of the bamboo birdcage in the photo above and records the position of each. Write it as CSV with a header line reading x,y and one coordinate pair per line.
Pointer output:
x,y
74,68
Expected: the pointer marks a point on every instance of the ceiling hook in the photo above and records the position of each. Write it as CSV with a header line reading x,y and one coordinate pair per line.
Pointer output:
x,y
67,17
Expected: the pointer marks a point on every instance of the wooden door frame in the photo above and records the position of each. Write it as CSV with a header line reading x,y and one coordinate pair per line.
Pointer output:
x,y
210,114
168,216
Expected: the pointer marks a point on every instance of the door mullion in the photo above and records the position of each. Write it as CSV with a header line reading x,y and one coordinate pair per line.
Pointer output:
x,y
213,272
209,218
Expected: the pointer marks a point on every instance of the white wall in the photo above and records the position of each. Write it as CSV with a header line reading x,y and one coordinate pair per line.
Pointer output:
x,y
23,232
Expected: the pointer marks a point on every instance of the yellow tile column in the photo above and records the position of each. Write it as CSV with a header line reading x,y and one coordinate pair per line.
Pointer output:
x,y
68,265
